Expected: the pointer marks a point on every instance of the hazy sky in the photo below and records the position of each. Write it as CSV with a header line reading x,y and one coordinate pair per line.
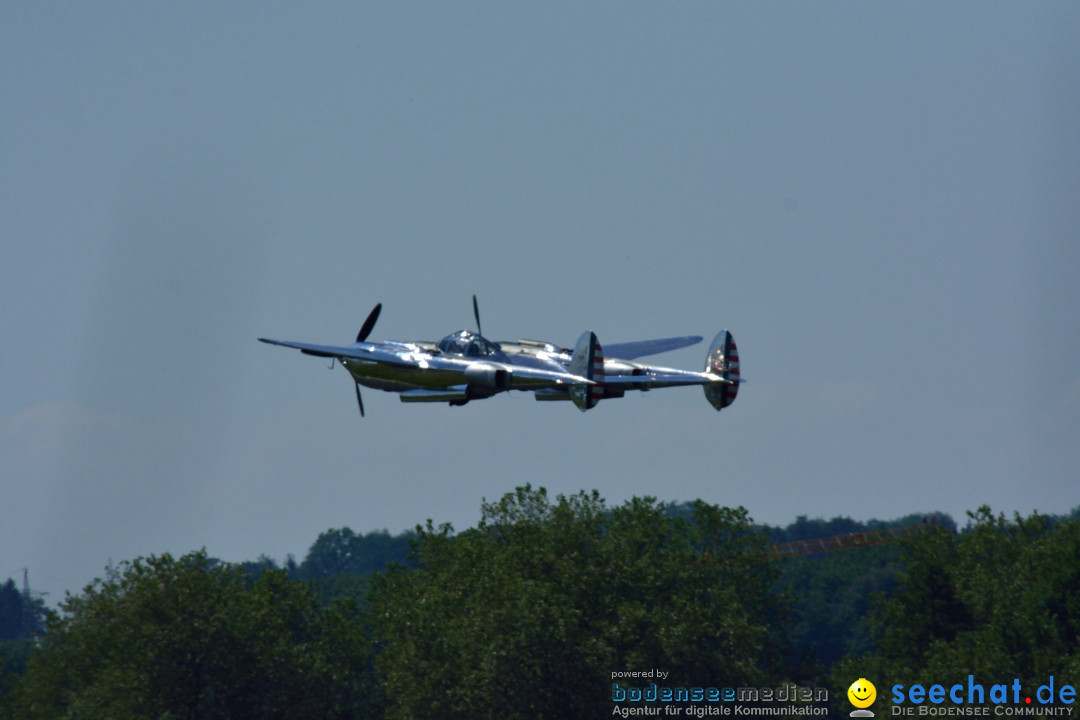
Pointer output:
x,y
879,200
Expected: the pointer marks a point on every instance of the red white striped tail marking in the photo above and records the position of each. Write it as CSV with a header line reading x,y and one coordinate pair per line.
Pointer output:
x,y
596,374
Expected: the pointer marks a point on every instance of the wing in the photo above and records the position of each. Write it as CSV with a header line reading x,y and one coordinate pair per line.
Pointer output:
x,y
515,377
361,351
641,348
388,354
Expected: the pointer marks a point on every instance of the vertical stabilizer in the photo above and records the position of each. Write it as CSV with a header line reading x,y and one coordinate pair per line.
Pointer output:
x,y
587,361
722,361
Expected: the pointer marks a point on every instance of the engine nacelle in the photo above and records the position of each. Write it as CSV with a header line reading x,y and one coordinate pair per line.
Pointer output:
x,y
486,375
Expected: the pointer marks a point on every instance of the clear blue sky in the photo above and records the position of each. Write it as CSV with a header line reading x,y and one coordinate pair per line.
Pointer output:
x,y
879,200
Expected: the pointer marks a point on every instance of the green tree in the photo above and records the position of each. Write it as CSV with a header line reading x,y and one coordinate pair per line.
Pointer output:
x,y
21,614
340,563
344,552
1000,600
528,614
831,594
11,611
192,638
14,655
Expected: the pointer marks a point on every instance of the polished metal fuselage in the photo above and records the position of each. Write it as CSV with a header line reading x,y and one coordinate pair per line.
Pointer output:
x,y
401,367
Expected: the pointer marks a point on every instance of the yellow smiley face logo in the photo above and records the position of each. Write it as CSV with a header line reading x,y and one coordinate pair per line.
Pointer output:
x,y
862,693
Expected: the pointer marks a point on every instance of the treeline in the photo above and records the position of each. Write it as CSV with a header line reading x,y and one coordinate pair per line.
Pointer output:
x,y
529,613
22,618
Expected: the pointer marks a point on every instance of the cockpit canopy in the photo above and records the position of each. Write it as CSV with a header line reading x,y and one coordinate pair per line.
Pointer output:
x,y
468,344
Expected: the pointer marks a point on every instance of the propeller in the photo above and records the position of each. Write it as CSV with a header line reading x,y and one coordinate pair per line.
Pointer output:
x,y
359,400
361,336
369,324
476,314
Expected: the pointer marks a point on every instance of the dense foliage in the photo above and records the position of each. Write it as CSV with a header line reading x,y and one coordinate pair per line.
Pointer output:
x,y
22,615
1000,601
529,613
832,592
192,638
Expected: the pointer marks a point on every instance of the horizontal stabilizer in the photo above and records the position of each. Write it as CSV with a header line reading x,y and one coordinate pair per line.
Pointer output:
x,y
659,377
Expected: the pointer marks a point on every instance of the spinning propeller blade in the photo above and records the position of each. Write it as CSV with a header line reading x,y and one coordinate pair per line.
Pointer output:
x,y
476,314
361,336
366,328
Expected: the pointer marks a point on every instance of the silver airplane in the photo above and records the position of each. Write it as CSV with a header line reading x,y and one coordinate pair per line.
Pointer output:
x,y
466,366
